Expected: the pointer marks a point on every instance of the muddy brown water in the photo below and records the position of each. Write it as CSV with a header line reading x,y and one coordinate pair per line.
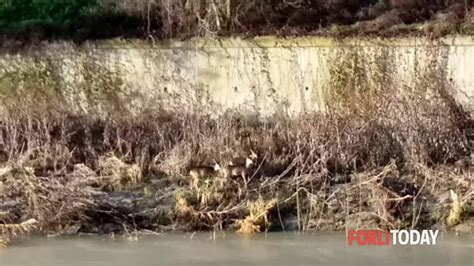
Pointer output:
x,y
275,249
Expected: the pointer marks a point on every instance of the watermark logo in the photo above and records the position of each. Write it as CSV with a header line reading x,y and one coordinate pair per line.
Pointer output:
x,y
392,237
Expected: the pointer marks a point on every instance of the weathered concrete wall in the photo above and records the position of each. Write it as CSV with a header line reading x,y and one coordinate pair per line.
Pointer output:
x,y
265,75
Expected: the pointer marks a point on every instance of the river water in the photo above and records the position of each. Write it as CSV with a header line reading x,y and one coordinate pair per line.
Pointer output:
x,y
275,249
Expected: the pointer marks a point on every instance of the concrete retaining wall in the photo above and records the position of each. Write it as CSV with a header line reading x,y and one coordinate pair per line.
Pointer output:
x,y
266,75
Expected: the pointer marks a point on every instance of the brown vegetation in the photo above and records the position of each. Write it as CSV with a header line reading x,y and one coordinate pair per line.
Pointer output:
x,y
9,231
377,162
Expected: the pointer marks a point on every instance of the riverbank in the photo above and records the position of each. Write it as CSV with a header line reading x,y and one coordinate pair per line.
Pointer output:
x,y
392,161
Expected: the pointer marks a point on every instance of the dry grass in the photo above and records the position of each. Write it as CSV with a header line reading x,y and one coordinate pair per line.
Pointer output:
x,y
340,169
454,216
10,231
257,217
118,174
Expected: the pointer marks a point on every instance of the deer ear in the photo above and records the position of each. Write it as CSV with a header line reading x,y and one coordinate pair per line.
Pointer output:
x,y
253,154
248,162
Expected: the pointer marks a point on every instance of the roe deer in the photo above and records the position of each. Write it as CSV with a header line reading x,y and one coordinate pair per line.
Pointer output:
x,y
203,171
238,170
242,161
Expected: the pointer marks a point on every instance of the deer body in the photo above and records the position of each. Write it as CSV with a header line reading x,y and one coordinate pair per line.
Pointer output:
x,y
231,171
243,160
203,171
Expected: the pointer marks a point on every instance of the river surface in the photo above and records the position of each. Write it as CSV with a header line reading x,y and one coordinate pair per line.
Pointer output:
x,y
275,249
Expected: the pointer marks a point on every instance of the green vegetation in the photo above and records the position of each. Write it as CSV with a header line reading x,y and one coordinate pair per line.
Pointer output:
x,y
55,14
33,20
44,11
